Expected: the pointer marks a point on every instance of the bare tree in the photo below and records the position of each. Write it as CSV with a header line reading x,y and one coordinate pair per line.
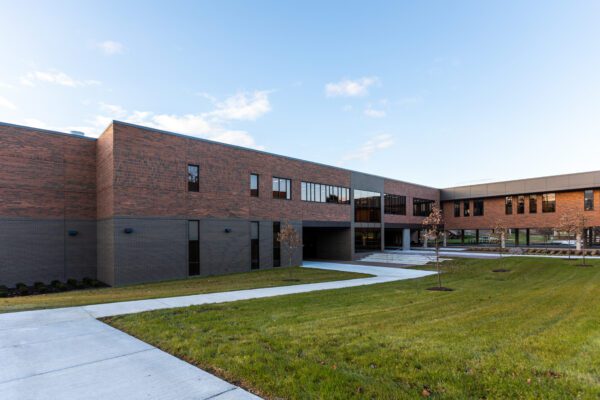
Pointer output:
x,y
580,224
499,234
290,240
568,224
433,225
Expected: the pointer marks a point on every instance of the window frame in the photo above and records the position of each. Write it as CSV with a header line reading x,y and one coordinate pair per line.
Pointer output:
x,y
394,204
587,202
508,205
457,209
546,203
478,211
255,192
193,186
466,208
287,186
533,200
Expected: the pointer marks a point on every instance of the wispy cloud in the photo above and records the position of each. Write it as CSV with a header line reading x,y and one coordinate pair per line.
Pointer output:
x,y
5,103
350,88
56,78
370,147
374,113
110,47
213,125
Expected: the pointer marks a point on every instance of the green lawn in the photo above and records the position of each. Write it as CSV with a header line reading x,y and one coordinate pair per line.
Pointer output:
x,y
531,333
223,283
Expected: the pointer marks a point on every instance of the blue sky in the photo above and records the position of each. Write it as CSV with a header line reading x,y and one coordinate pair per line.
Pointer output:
x,y
440,93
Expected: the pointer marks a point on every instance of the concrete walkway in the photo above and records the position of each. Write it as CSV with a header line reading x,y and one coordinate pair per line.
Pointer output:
x,y
67,353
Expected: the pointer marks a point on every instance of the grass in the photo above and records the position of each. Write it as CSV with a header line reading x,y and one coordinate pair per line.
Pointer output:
x,y
530,333
223,283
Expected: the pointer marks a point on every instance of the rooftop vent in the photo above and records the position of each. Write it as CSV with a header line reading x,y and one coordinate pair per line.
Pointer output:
x,y
77,133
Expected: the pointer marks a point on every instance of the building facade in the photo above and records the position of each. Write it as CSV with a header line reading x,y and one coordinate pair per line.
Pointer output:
x,y
141,205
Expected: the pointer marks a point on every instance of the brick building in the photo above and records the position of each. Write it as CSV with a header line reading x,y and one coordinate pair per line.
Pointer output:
x,y
139,204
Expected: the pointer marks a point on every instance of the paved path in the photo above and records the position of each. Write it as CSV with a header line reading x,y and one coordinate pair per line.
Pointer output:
x,y
67,353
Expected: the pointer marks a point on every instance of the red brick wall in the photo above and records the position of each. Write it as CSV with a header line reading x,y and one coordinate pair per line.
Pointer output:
x,y
410,191
46,175
105,173
494,211
150,179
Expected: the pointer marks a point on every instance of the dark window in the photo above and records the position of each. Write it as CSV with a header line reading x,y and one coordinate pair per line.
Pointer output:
x,y
282,188
548,202
478,207
254,245
276,245
588,200
422,207
394,204
193,179
193,248
457,209
367,239
367,206
467,208
319,193
254,185
508,205
521,205
533,203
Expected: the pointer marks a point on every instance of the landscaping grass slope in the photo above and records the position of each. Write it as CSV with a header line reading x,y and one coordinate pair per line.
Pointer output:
x,y
533,332
184,287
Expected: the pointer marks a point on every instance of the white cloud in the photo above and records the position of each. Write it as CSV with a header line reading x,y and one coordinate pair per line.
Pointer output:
x,y
5,103
110,47
213,125
370,147
374,113
55,77
350,88
243,106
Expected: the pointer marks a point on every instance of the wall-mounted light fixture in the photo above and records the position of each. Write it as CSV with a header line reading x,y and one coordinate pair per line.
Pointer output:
x,y
227,230
72,232
128,230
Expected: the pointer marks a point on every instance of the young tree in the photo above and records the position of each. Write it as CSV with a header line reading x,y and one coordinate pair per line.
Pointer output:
x,y
433,225
568,224
580,224
290,240
499,234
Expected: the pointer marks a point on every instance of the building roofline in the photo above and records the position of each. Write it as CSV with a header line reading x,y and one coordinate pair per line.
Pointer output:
x,y
48,131
264,152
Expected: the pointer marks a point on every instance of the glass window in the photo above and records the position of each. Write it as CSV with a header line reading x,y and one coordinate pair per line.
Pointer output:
x,y
303,191
422,207
193,248
508,205
533,203
548,202
193,178
467,208
478,207
394,204
521,205
367,239
254,245
588,200
367,206
254,185
282,188
320,193
457,209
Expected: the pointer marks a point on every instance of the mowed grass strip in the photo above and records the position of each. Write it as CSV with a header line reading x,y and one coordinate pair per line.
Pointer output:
x,y
530,333
213,284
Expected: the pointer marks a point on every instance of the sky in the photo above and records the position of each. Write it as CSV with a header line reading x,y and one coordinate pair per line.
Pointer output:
x,y
439,93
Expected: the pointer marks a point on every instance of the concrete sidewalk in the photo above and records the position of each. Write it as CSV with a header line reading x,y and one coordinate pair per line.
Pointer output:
x,y
67,353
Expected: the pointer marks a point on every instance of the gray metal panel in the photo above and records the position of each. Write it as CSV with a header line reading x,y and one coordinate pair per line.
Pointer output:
x,y
222,252
367,182
105,251
156,250
557,183
326,224
266,244
33,250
